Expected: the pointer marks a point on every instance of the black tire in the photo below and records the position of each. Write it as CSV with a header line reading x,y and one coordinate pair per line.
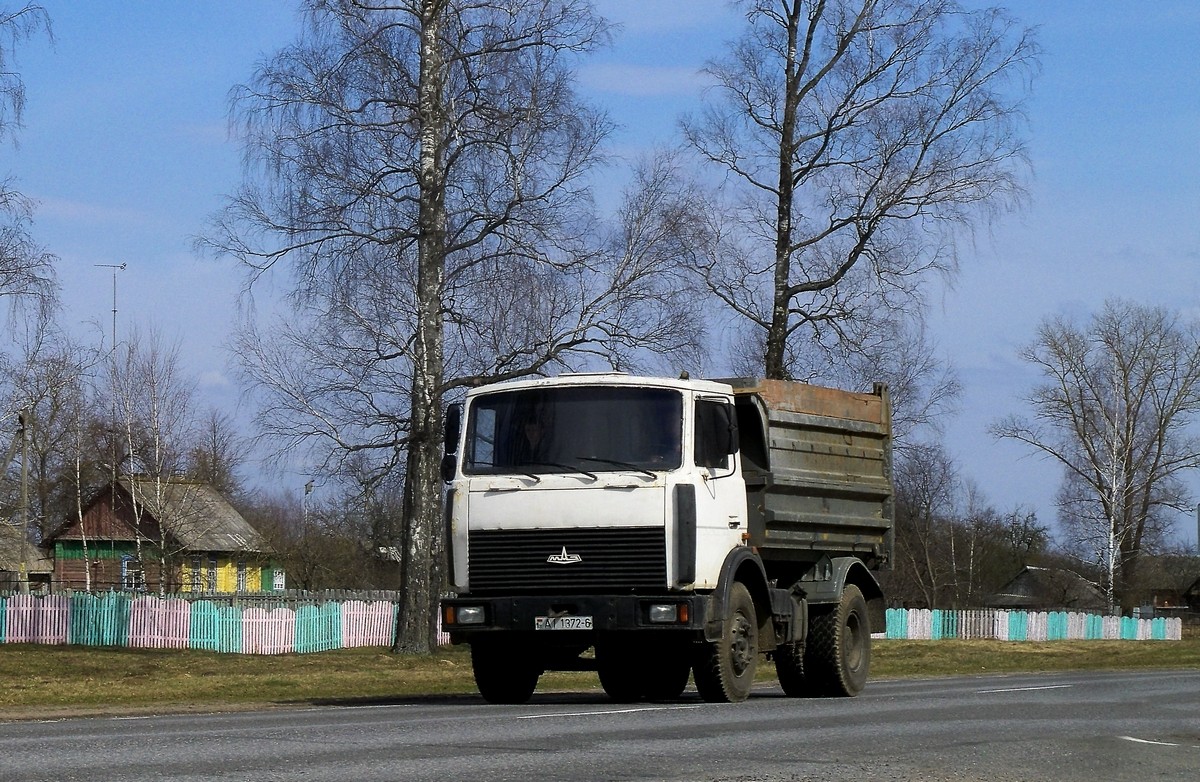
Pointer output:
x,y
634,670
668,675
724,670
500,674
620,675
837,657
789,667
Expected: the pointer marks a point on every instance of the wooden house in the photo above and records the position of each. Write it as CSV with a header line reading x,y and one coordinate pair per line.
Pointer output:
x,y
23,566
143,532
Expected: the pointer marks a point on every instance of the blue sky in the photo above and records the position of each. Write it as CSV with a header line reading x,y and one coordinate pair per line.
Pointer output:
x,y
126,149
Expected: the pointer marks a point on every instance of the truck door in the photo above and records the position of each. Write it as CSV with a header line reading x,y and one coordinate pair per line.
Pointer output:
x,y
720,490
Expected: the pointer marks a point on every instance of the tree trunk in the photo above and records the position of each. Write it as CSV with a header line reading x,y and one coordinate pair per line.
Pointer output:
x,y
415,621
775,360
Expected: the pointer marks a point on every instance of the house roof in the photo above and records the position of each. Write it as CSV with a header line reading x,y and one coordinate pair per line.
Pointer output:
x,y
16,549
195,514
1037,586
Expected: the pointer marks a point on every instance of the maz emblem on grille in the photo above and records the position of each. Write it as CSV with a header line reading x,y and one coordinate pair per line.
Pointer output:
x,y
564,558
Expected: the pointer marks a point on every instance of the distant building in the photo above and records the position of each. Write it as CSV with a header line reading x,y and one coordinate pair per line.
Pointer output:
x,y
22,564
1191,596
1048,589
142,532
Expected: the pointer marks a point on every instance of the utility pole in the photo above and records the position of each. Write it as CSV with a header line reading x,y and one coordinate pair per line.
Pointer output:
x,y
112,353
21,419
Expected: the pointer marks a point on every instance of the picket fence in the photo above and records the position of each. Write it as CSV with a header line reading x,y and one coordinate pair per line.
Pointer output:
x,y
119,619
922,624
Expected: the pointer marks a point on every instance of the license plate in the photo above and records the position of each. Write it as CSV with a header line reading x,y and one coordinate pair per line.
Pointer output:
x,y
562,623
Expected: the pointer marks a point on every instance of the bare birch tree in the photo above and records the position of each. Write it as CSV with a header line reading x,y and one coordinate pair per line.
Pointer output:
x,y
1117,412
27,274
853,139
953,548
155,428
46,378
927,497
423,171
217,454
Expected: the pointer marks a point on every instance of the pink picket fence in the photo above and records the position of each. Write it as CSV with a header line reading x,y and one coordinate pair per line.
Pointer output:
x,y
268,632
34,619
368,624
160,623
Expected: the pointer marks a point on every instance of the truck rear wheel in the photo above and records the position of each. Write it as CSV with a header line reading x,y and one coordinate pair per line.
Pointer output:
x,y
631,671
789,667
669,677
837,658
620,676
724,670
501,674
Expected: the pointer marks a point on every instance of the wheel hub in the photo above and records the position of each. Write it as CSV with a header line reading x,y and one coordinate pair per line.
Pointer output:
x,y
742,650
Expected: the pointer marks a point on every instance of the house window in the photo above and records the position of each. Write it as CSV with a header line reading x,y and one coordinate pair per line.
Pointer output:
x,y
196,576
133,578
241,575
212,575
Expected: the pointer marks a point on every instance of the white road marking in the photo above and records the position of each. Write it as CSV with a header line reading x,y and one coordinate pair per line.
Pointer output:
x,y
1027,689
604,713
1148,741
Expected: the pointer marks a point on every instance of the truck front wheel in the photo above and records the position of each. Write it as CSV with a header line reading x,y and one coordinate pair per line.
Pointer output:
x,y
501,674
724,670
837,657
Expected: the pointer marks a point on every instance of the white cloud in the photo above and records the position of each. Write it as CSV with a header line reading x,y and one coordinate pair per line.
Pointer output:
x,y
82,212
641,80
212,379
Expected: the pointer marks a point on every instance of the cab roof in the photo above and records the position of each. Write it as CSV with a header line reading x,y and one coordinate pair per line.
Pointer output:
x,y
606,379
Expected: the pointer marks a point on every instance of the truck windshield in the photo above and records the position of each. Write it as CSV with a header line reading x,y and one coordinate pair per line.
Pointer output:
x,y
574,429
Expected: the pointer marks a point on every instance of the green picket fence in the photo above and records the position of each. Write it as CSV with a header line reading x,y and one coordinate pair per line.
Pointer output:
x,y
1006,625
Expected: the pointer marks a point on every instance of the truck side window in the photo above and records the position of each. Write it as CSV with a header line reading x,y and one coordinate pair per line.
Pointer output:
x,y
483,444
716,433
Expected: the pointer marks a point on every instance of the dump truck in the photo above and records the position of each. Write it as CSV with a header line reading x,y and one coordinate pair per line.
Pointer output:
x,y
653,529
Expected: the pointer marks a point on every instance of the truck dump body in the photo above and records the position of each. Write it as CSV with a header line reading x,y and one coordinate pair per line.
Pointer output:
x,y
817,466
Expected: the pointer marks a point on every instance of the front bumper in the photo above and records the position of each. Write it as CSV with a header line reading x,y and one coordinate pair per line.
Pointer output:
x,y
609,613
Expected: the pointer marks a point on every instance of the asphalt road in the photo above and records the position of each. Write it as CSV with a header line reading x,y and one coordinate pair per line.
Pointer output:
x,y
1080,727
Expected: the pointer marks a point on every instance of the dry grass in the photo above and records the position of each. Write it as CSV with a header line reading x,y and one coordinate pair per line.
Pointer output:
x,y
72,676
50,680
954,658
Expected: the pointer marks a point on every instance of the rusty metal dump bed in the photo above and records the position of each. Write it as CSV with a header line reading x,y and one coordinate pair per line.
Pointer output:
x,y
817,464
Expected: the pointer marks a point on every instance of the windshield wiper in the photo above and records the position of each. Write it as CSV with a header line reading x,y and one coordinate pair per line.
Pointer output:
x,y
618,463
564,467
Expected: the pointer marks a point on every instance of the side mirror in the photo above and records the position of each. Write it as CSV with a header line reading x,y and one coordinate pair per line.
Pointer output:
x,y
447,467
453,427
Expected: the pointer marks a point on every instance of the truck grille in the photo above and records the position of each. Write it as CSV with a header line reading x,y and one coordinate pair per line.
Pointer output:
x,y
577,561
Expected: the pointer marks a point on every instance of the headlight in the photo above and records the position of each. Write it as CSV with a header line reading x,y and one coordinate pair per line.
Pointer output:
x,y
668,613
469,615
